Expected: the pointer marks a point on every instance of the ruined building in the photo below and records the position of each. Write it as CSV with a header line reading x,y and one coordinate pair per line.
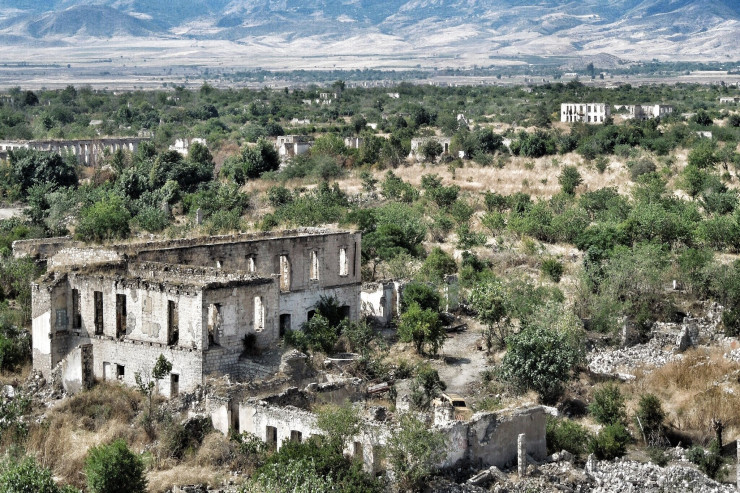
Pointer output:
x,y
584,112
87,151
648,111
109,312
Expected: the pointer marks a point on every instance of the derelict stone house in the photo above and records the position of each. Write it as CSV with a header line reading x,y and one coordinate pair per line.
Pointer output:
x,y
584,112
109,312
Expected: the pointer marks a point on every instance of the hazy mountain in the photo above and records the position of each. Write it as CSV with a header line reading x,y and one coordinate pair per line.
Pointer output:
x,y
638,28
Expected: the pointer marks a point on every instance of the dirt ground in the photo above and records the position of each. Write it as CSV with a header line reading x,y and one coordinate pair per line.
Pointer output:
x,y
460,363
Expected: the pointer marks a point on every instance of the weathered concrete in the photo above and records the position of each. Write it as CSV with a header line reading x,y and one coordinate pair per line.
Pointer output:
x,y
88,151
193,300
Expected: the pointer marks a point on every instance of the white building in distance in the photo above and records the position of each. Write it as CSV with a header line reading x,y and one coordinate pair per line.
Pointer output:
x,y
584,112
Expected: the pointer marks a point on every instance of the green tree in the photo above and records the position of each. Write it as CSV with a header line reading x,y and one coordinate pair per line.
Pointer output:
x,y
649,417
703,155
430,150
491,302
425,387
413,451
340,423
104,220
41,168
420,293
569,179
438,264
147,384
541,359
608,405
27,476
422,327
114,469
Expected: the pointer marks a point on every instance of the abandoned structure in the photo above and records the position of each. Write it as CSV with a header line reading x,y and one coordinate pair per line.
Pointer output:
x,y
418,143
648,111
486,439
183,145
292,145
108,313
586,113
88,152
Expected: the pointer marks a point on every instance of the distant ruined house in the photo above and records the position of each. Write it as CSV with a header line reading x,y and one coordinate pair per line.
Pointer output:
x,y
109,312
584,112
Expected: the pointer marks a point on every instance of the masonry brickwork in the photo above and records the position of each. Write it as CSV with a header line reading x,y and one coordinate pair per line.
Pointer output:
x,y
192,300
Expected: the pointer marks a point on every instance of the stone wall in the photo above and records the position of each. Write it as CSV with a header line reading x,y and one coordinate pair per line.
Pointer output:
x,y
378,302
490,439
69,256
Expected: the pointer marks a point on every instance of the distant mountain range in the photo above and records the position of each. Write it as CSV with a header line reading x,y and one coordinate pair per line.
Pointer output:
x,y
637,29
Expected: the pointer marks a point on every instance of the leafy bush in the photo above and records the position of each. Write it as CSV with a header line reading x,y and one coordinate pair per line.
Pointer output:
x,y
422,327
658,456
104,220
114,469
649,416
313,465
608,405
15,347
552,268
611,442
421,294
437,264
27,476
569,179
541,359
414,451
710,462
565,434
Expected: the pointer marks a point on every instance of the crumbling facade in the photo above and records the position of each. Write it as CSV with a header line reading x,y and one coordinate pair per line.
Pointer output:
x,y
196,301
88,152
418,143
584,112
648,111
289,146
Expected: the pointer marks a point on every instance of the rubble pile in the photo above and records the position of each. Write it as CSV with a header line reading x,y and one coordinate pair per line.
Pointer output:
x,y
621,362
630,476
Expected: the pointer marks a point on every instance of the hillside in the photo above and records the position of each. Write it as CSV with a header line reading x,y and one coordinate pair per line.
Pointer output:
x,y
635,29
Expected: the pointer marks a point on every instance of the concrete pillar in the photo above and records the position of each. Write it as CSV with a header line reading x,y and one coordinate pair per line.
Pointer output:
x,y
199,216
521,453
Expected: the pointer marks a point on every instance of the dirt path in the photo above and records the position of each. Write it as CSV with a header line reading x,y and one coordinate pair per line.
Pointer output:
x,y
9,212
462,363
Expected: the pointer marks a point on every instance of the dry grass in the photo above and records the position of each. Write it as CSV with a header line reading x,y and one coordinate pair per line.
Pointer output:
x,y
184,474
695,389
88,419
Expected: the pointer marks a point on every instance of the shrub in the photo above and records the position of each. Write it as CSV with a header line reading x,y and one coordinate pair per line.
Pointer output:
x,y
422,327
565,434
649,416
15,347
608,405
710,462
27,476
414,451
641,167
569,179
114,469
541,359
438,264
104,220
420,293
610,443
658,456
552,268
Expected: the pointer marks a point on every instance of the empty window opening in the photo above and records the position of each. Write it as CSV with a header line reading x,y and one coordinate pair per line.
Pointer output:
x,y
214,323
107,371
76,316
120,372
447,148
173,323
310,315
357,450
284,273
259,314
344,311
60,322
314,265
174,384
271,437
219,264
343,264
251,264
296,436
120,315
98,298
284,323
